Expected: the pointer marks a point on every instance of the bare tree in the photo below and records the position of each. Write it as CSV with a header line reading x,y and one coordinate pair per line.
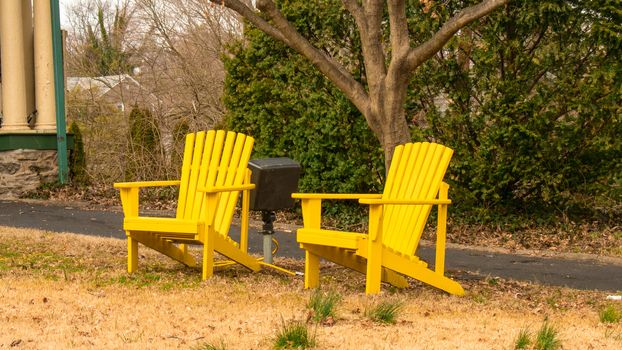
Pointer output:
x,y
184,42
171,48
382,99
101,40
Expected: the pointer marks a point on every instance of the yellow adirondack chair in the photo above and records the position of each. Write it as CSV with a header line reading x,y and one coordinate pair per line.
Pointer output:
x,y
396,221
214,172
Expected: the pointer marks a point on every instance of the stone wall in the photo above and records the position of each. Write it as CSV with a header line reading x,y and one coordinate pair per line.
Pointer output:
x,y
24,170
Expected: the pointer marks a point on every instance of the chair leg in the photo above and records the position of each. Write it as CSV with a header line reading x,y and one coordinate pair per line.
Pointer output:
x,y
208,257
184,249
312,270
132,254
374,268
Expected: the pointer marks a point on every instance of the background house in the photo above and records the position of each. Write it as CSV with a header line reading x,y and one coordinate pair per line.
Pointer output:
x,y
121,91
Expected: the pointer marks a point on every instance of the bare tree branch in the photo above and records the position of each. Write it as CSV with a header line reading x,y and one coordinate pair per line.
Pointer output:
x,y
370,18
248,13
420,54
332,69
356,11
283,31
400,46
399,27
383,103
158,22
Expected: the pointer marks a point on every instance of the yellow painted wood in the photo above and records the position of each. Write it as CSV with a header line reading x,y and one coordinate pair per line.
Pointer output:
x,y
417,271
413,156
312,270
202,154
132,254
401,158
179,237
146,184
405,201
246,200
347,240
211,202
430,190
184,248
312,213
193,196
350,259
441,231
213,151
335,196
226,159
211,176
226,176
156,224
226,188
225,246
397,219
214,174
217,170
129,201
238,172
423,166
374,250
185,176
164,247
208,253
391,257
413,267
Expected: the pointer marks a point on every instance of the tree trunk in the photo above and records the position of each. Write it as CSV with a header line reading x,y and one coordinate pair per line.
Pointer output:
x,y
387,106
383,103
392,140
395,129
394,132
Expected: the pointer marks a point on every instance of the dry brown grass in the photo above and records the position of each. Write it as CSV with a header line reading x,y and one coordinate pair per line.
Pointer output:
x,y
68,291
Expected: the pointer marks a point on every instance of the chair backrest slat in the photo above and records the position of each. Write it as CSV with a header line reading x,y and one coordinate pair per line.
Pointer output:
x,y
213,159
193,178
411,156
195,173
235,175
208,151
416,172
185,175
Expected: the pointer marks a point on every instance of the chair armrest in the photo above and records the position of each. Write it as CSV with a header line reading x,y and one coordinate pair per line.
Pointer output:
x,y
312,205
226,188
129,193
405,201
335,196
139,184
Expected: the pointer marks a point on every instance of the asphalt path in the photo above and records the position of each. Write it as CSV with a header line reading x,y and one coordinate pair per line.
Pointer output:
x,y
583,273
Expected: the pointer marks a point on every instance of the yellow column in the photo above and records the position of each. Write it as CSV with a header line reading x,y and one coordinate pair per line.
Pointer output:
x,y
29,59
16,92
44,66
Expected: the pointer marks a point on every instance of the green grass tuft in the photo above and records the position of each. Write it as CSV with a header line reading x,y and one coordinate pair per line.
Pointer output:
x,y
208,346
294,335
323,304
523,340
385,311
492,281
610,315
547,339
37,259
